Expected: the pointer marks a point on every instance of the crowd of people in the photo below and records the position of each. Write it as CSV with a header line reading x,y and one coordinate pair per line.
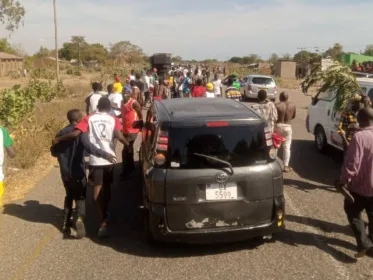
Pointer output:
x,y
110,116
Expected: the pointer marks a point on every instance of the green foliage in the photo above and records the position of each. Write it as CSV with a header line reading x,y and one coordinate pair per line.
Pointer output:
x,y
126,52
43,73
17,102
253,58
5,46
369,50
336,78
74,72
43,52
11,14
334,52
306,56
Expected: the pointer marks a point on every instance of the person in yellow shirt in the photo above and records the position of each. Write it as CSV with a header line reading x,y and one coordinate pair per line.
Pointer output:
x,y
117,85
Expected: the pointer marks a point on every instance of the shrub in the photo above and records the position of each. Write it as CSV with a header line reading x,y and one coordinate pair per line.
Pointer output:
x,y
17,102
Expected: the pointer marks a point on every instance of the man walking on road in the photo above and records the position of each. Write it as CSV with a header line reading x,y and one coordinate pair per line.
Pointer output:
x,y
267,109
357,173
70,155
102,128
92,99
286,112
131,112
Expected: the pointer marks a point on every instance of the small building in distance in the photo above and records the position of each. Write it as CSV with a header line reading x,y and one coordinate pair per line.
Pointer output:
x,y
285,69
10,63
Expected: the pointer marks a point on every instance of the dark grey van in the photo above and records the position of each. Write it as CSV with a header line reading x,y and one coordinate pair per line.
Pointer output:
x,y
210,172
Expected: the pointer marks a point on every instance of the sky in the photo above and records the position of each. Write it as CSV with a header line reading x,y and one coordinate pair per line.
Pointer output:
x,y
201,29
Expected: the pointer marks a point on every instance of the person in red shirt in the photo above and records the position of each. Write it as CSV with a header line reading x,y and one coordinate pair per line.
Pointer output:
x,y
131,112
199,90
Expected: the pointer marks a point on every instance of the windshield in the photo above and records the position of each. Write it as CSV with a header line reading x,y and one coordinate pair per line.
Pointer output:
x,y
262,81
238,145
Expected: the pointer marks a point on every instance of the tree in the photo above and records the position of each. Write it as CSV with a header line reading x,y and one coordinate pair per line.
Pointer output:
x,y
126,52
305,56
287,56
369,50
11,14
95,52
79,42
19,50
273,58
67,51
177,59
336,78
5,46
235,59
43,52
335,52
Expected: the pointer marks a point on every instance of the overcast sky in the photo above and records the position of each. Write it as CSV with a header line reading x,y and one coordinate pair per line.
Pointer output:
x,y
202,28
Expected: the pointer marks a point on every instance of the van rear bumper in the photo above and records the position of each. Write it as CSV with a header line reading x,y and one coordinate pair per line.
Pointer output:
x,y
162,233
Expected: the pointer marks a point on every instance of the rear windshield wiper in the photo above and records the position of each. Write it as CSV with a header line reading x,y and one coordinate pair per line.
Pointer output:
x,y
217,160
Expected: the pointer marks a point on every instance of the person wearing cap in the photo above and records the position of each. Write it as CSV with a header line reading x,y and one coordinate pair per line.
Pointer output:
x,y
210,90
118,84
116,99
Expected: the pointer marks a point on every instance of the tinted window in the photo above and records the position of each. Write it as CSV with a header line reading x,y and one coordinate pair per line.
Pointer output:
x,y
262,81
239,145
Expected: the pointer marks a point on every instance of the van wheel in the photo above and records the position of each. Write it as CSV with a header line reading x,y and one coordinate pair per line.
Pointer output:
x,y
320,140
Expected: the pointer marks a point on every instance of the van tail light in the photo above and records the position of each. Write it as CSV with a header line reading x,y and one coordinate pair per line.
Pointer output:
x,y
217,124
161,148
249,87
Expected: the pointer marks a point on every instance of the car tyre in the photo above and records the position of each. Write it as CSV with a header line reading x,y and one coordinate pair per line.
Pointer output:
x,y
320,140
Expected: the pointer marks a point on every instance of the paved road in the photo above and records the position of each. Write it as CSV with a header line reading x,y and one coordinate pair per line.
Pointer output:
x,y
317,243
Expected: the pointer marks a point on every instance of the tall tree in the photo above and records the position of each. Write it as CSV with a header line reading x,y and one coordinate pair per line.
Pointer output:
x,y
79,42
126,52
273,58
335,52
5,46
177,59
11,14
43,52
369,50
305,56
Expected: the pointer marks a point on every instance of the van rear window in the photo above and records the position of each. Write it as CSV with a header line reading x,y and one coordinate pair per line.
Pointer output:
x,y
238,145
262,81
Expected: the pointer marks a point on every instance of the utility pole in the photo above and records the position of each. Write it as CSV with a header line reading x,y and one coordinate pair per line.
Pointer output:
x,y
56,41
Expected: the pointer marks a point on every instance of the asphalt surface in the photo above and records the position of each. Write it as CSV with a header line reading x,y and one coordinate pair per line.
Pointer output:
x,y
317,242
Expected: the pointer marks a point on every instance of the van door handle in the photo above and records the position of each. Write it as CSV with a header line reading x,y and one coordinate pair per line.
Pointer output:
x,y
329,112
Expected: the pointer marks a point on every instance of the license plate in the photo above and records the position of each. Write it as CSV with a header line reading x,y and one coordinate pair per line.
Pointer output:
x,y
227,191
263,89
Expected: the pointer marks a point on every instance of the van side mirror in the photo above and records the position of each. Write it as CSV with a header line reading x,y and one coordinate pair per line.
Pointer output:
x,y
138,124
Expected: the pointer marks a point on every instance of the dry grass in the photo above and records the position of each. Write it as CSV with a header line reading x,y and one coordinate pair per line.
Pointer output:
x,y
33,138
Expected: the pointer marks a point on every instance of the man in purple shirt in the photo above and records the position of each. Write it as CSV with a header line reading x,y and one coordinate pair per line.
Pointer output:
x,y
357,173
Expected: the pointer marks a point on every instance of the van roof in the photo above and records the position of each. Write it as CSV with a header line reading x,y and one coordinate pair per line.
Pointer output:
x,y
204,108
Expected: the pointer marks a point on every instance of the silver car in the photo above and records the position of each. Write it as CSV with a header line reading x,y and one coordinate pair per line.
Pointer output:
x,y
254,83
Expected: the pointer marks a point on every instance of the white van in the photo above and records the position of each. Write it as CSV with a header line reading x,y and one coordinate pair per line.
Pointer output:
x,y
323,121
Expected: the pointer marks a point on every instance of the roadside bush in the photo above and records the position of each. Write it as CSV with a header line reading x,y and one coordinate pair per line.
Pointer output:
x,y
42,73
74,72
17,102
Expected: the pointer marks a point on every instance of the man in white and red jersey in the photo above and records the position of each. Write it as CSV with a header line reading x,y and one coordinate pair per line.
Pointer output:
x,y
131,112
102,128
